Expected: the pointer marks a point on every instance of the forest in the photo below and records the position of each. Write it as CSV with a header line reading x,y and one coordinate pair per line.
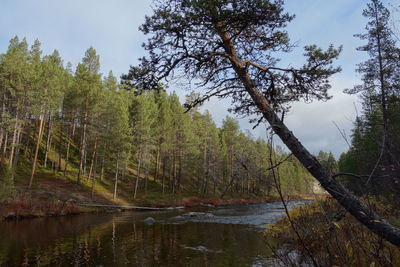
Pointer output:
x,y
82,126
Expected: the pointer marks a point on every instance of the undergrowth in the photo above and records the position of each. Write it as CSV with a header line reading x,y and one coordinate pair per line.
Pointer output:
x,y
332,237
7,187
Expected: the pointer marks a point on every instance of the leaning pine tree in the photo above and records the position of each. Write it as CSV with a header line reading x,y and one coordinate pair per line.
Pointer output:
x,y
227,47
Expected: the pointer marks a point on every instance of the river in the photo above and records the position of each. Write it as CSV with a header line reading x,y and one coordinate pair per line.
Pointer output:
x,y
209,236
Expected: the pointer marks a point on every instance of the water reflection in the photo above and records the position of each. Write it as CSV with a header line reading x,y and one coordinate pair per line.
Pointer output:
x,y
124,240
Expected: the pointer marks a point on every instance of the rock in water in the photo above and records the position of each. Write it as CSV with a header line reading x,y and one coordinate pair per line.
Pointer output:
x,y
149,220
198,215
209,215
193,214
177,218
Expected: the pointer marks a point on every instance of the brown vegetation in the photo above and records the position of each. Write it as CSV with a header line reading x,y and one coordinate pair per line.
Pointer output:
x,y
333,237
37,208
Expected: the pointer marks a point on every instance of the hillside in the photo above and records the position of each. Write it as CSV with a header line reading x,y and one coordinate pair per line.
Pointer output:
x,y
80,137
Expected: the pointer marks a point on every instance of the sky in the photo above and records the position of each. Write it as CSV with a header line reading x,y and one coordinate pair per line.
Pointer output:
x,y
111,27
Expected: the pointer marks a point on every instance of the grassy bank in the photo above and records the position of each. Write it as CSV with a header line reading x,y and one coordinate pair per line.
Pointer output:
x,y
323,233
54,194
38,203
35,208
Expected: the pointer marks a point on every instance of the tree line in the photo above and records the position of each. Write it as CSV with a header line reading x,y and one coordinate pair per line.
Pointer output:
x,y
94,129
375,142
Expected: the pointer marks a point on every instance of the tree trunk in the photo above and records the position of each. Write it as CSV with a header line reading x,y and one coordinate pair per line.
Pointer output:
x,y
174,174
48,141
180,171
3,114
85,159
116,179
102,165
82,149
204,169
4,152
94,166
231,185
381,75
146,177
27,140
157,164
146,166
38,141
69,145
163,175
14,138
138,173
2,136
214,185
93,158
17,148
60,142
2,131
248,183
228,186
359,210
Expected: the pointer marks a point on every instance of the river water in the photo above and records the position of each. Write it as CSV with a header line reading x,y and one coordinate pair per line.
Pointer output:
x,y
220,236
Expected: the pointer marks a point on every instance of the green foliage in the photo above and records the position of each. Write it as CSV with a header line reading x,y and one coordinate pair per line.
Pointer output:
x,y
185,40
328,161
107,136
375,140
7,187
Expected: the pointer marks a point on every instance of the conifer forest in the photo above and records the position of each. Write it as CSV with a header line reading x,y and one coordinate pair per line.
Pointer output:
x,y
79,124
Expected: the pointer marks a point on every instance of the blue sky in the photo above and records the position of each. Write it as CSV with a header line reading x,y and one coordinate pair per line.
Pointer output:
x,y
111,27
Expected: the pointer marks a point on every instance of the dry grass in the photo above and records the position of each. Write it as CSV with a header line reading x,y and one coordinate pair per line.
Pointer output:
x,y
332,237
36,208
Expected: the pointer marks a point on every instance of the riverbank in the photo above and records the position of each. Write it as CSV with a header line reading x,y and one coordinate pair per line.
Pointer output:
x,y
21,209
35,207
52,194
324,233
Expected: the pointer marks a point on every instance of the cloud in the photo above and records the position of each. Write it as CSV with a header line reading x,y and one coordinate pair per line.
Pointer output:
x,y
313,124
111,27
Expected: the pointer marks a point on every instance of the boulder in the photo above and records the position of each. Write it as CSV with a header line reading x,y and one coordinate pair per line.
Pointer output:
x,y
149,221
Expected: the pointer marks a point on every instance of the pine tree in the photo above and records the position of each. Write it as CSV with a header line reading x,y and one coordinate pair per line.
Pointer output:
x,y
163,136
15,97
87,84
143,114
229,47
374,146
229,134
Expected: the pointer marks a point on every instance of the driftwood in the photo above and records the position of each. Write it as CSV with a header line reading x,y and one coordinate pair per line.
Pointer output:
x,y
126,207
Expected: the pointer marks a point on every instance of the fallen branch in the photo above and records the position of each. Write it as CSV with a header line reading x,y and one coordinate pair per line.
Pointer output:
x,y
126,207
